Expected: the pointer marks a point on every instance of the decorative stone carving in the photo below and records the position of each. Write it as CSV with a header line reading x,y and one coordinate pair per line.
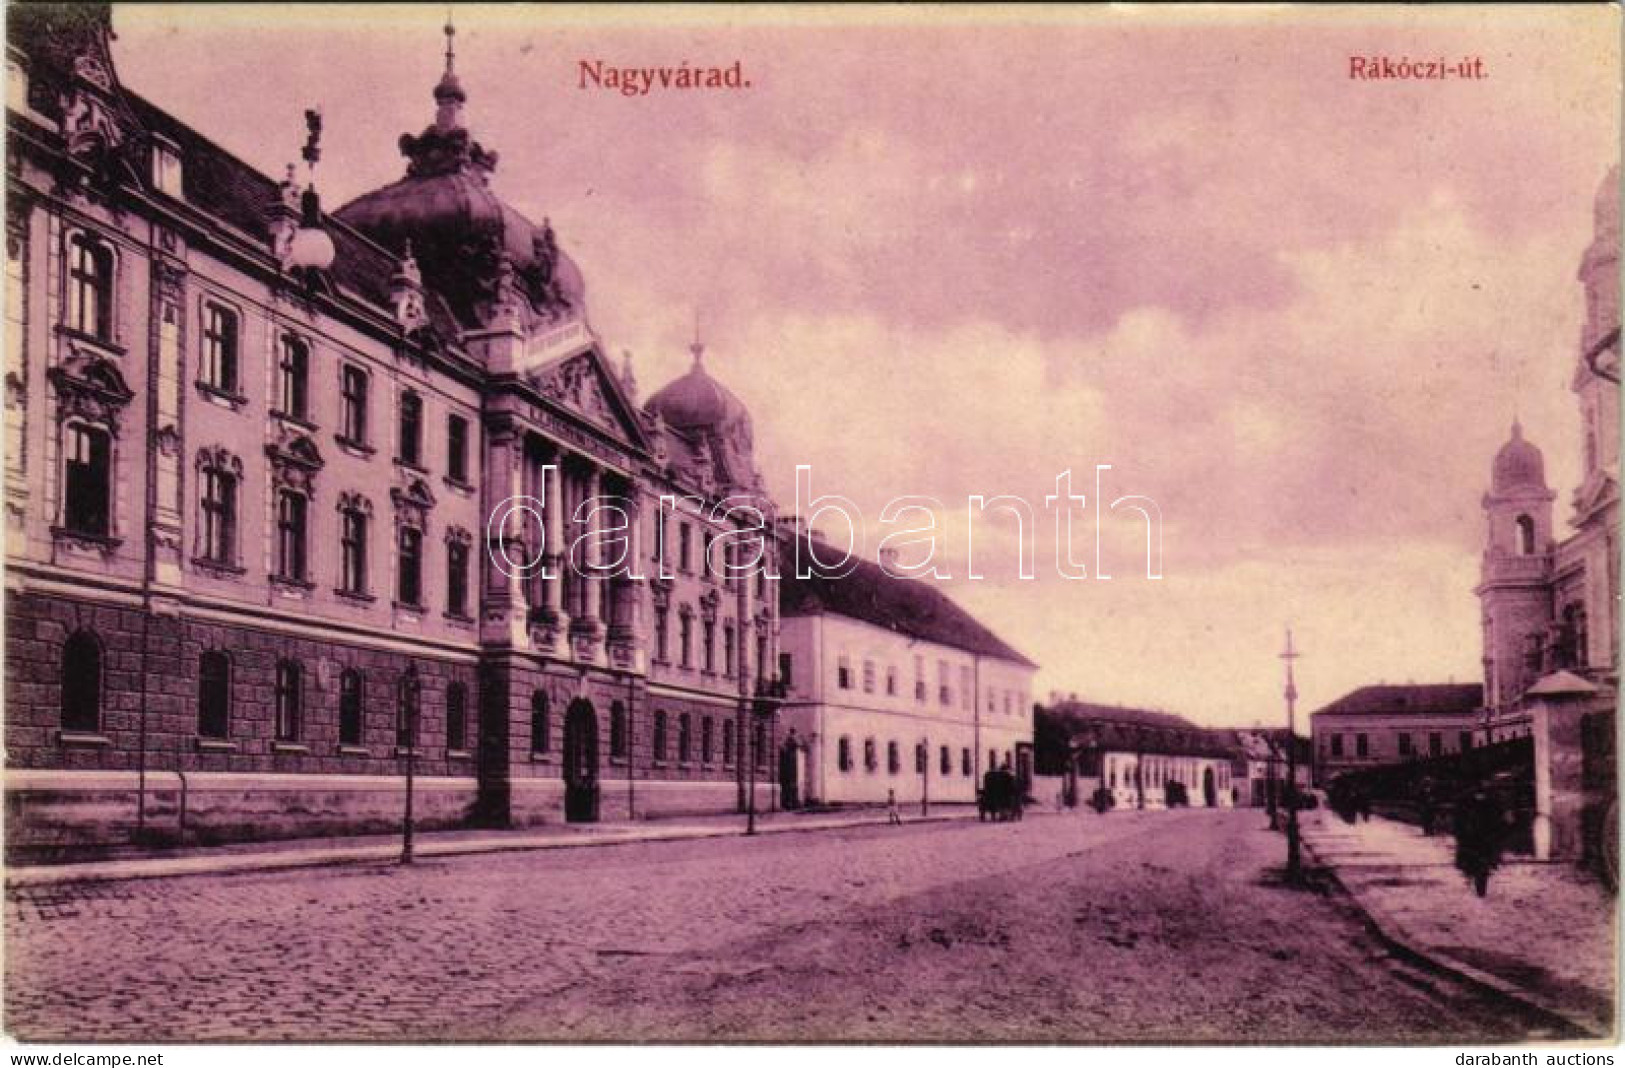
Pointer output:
x,y
89,386
295,460
413,503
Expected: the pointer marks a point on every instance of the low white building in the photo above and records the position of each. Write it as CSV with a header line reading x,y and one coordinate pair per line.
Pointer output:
x,y
893,688
1144,758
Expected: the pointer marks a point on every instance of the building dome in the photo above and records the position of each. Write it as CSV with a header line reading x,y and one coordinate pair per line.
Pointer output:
x,y
476,250
1518,466
698,402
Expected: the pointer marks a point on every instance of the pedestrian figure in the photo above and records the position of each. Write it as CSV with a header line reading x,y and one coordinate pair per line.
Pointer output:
x,y
1427,809
893,817
987,805
1480,826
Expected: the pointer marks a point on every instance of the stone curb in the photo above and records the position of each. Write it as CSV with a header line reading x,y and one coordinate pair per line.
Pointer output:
x,y
1393,934
237,863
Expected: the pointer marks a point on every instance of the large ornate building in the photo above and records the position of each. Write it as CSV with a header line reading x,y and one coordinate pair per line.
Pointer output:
x,y
251,453
1551,603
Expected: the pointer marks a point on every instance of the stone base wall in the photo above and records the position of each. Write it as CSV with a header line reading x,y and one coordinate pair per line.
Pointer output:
x,y
64,810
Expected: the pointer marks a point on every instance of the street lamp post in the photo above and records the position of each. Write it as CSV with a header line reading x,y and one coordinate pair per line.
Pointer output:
x,y
410,693
1294,860
755,754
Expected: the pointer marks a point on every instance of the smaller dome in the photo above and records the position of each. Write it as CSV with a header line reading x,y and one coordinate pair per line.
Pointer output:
x,y
1518,466
696,401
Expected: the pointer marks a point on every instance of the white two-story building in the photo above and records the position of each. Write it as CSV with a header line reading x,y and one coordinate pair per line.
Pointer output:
x,y
892,687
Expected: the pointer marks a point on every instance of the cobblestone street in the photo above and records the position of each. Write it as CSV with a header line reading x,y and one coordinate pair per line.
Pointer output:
x,y
1129,927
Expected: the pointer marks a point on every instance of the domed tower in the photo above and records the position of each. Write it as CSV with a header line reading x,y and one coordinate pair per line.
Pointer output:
x,y
493,269
1514,587
1596,378
714,424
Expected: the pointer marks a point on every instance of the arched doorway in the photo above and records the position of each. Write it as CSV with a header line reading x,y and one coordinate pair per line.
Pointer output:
x,y
580,763
1210,793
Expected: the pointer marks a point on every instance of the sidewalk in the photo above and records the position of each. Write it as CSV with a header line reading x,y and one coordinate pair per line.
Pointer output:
x,y
316,852
1544,934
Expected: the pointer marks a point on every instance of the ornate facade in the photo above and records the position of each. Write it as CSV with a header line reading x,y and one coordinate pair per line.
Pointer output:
x,y
252,454
1551,603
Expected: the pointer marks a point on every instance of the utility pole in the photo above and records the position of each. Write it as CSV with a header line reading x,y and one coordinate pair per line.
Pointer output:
x,y
409,697
925,777
1294,861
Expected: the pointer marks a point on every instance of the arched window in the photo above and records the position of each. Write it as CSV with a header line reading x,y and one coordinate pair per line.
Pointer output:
x,y
350,704
408,698
1526,536
456,716
540,728
288,700
727,741
684,737
214,694
292,521
87,480
617,729
82,683
218,502
411,428
660,736
293,379
707,740
90,286
410,585
353,521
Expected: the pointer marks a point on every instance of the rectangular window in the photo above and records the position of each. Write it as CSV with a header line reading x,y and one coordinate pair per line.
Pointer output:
x,y
353,386
456,717
844,754
1405,746
87,482
353,551
1362,746
457,448
411,429
290,529
1435,744
220,347
293,393
662,633
710,650
1337,745
350,707
214,695
707,739
946,762
166,169
457,578
964,763
891,681
945,692
219,515
843,673
894,758
868,676
729,638
411,566
685,547
966,697
685,626
919,679
786,669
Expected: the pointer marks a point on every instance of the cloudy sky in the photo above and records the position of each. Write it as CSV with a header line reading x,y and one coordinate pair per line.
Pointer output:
x,y
959,257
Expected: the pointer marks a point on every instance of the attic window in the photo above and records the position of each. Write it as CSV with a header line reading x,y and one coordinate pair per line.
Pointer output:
x,y
166,168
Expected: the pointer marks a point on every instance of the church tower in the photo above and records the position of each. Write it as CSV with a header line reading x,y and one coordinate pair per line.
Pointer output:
x,y
1514,588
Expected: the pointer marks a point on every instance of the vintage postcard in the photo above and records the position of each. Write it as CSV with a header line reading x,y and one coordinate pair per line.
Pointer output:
x,y
735,524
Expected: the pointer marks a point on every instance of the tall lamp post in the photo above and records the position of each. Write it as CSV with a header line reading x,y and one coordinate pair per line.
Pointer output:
x,y
411,691
925,777
1294,861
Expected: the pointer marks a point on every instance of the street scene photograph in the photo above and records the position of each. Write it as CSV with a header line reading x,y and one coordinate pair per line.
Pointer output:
x,y
724,525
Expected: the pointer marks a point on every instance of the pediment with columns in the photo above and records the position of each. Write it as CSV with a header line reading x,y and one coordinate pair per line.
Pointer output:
x,y
583,385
